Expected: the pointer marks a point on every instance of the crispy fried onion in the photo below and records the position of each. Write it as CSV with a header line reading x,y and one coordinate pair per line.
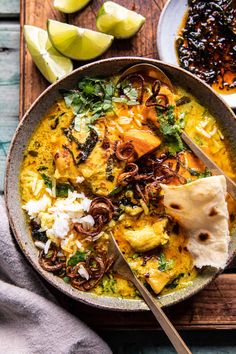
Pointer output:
x,y
152,190
125,151
137,81
163,171
156,99
153,171
96,266
51,262
131,169
101,209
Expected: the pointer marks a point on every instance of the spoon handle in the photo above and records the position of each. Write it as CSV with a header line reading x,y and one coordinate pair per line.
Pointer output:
x,y
231,185
166,325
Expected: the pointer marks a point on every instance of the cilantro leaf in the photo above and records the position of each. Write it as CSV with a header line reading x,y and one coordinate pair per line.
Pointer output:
x,y
78,257
130,94
175,282
165,264
194,172
62,190
93,98
206,173
47,180
171,129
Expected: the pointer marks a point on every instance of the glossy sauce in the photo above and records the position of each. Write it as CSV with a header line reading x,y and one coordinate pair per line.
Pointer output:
x,y
49,137
206,43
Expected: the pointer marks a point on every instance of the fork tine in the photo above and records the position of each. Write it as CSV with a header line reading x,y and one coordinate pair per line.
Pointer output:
x,y
120,265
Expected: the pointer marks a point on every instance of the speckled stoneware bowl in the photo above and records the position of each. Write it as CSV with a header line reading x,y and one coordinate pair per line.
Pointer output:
x,y
207,97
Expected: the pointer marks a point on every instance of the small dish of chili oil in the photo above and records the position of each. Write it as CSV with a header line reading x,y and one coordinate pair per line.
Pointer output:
x,y
206,43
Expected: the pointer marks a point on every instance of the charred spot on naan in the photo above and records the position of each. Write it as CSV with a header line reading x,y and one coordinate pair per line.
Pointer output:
x,y
205,218
204,236
213,212
175,206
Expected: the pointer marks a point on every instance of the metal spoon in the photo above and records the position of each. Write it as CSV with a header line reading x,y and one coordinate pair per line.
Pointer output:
x,y
157,74
122,268
148,70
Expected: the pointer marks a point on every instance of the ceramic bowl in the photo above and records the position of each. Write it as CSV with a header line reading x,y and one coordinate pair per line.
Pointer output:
x,y
206,96
167,30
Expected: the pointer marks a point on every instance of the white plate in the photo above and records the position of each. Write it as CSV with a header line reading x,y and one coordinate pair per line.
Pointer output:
x,y
168,27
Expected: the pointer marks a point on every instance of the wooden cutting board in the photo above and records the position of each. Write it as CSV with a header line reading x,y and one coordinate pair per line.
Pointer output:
x,y
215,306
37,12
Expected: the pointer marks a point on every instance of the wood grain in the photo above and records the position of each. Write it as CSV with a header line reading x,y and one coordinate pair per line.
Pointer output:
x,y
36,12
33,12
215,306
9,89
212,308
9,9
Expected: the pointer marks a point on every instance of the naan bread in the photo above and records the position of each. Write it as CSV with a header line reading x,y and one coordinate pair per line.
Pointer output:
x,y
201,209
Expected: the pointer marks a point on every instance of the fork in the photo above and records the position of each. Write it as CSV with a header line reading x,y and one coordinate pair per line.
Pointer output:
x,y
122,268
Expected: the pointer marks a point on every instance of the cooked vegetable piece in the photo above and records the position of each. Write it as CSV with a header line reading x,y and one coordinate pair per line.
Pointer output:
x,y
158,279
143,141
148,237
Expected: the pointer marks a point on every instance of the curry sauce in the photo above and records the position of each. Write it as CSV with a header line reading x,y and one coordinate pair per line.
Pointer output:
x,y
90,170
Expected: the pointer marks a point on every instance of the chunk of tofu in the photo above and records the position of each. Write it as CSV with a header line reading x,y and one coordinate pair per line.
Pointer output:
x,y
65,167
144,141
148,237
158,280
94,172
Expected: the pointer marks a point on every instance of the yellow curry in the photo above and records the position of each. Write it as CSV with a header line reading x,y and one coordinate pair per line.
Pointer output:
x,y
94,166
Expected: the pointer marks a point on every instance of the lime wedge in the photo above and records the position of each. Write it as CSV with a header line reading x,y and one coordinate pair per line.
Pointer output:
x,y
70,6
117,20
48,60
77,43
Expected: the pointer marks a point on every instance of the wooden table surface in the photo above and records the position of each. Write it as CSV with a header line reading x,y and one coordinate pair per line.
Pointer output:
x,y
9,107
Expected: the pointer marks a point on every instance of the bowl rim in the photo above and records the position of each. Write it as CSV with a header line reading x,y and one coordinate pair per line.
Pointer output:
x,y
162,56
125,305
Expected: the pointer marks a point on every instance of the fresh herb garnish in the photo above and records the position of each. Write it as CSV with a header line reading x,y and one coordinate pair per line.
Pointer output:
x,y
175,282
47,180
94,97
85,148
171,129
66,279
108,283
115,191
130,94
78,257
77,121
109,169
165,264
55,124
194,172
62,190
206,173
136,255
89,145
36,233
42,168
